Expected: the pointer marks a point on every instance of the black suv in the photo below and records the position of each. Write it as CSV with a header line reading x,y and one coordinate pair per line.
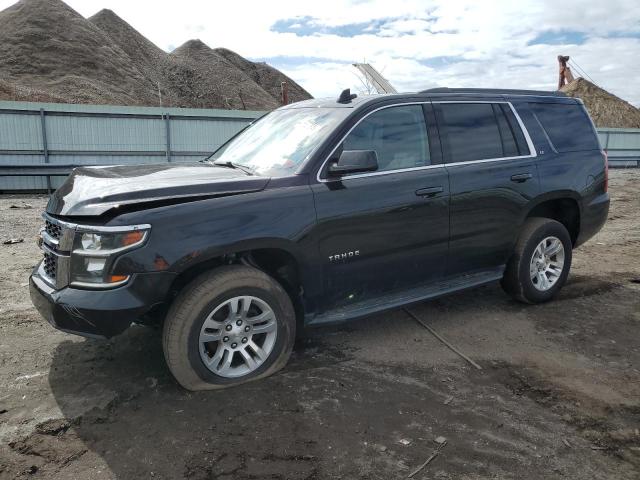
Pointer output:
x,y
320,212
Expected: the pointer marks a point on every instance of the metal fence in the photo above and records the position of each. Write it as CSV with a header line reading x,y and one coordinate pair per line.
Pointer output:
x,y
41,142
622,145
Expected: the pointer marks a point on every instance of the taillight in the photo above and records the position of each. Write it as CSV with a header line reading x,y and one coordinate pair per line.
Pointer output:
x,y
606,170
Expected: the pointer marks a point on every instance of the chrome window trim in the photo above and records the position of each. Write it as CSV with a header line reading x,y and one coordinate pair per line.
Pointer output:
x,y
383,172
532,150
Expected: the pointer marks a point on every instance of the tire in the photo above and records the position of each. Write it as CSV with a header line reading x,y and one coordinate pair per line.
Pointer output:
x,y
194,363
518,280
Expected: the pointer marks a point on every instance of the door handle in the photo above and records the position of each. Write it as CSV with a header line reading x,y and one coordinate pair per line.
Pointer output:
x,y
429,192
521,177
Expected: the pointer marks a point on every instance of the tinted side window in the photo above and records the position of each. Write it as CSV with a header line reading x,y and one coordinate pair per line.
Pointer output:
x,y
521,142
397,134
567,126
509,146
469,131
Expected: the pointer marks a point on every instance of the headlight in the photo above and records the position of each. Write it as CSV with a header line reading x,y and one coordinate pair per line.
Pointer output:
x,y
110,242
94,253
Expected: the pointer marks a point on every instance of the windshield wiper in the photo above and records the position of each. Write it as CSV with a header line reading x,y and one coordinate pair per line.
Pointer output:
x,y
235,166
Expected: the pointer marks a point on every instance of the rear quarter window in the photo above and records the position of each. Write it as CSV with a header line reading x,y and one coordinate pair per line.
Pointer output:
x,y
567,126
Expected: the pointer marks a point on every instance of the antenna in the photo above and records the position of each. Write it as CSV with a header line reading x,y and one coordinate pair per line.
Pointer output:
x,y
346,96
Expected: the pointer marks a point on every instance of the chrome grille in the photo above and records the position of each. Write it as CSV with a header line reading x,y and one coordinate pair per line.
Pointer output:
x,y
53,230
57,243
50,265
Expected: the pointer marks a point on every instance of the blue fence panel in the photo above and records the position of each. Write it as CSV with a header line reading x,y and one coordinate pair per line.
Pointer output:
x,y
39,138
622,146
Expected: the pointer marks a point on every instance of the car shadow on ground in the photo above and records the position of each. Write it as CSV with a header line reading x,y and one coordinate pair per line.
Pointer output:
x,y
323,416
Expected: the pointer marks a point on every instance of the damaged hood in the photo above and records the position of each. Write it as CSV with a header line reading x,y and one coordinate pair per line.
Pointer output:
x,y
92,191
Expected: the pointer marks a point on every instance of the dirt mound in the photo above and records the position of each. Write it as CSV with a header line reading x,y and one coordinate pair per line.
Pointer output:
x,y
21,93
47,46
605,109
187,77
139,49
49,52
265,75
234,88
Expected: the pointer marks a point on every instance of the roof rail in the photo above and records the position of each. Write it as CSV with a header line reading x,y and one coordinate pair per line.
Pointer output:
x,y
495,91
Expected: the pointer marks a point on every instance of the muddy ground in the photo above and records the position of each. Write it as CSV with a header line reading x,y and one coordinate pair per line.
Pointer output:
x,y
558,395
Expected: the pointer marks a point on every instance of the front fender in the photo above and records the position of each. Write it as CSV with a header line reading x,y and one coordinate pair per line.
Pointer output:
x,y
185,235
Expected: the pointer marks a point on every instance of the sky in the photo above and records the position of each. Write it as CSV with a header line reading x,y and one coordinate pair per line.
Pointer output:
x,y
415,44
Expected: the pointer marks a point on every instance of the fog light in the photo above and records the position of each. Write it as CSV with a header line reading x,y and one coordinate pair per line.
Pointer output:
x,y
94,265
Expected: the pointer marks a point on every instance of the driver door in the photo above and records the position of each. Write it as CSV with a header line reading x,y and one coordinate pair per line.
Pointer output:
x,y
388,230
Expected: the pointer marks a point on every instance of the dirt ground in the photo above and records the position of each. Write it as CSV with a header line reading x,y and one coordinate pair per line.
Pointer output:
x,y
558,395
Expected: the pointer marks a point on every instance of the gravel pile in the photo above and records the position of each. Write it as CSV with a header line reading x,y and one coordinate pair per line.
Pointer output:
x,y
49,52
222,79
265,75
605,109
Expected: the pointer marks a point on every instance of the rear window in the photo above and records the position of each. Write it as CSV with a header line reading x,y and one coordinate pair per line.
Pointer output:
x,y
567,126
479,131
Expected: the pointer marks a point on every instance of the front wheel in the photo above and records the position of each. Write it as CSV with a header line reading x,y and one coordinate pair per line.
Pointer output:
x,y
540,263
227,327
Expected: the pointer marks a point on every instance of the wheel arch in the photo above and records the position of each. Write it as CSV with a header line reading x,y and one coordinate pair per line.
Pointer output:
x,y
564,207
276,257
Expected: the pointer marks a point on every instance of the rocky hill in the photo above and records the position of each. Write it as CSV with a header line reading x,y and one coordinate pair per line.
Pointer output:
x,y
49,52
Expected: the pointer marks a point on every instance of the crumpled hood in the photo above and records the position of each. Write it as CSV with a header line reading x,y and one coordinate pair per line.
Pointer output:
x,y
91,191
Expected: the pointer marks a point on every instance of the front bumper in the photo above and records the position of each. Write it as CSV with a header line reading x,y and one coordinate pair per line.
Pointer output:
x,y
99,313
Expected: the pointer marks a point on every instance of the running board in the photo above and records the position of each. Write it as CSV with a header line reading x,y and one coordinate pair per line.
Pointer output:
x,y
407,297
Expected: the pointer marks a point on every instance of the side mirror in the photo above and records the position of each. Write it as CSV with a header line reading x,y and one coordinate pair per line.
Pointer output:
x,y
354,161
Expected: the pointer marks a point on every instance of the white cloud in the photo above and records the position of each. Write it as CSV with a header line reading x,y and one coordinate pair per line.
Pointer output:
x,y
488,40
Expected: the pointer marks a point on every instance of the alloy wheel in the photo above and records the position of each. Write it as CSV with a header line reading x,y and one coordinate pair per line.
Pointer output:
x,y
238,336
547,263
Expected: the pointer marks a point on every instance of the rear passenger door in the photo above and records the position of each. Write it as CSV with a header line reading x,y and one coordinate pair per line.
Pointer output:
x,y
492,175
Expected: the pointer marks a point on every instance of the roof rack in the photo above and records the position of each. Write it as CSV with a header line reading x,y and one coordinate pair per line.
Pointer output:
x,y
495,91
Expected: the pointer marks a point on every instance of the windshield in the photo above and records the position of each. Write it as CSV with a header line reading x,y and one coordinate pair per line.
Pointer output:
x,y
279,143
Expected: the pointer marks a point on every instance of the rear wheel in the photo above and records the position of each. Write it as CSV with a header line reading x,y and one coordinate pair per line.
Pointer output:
x,y
227,327
540,263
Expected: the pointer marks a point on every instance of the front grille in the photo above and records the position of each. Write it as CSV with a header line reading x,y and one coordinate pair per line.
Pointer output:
x,y
57,243
50,264
53,230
